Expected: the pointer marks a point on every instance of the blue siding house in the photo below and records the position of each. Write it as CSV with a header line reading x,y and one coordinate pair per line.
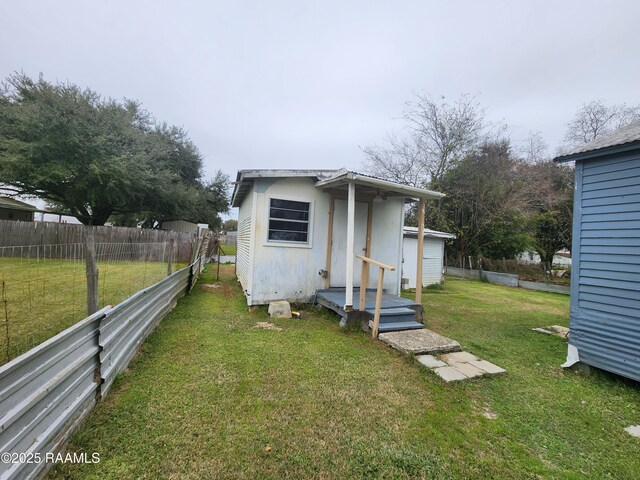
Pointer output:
x,y
605,282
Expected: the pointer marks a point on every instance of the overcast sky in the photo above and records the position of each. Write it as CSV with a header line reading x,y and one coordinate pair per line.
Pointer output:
x,y
301,84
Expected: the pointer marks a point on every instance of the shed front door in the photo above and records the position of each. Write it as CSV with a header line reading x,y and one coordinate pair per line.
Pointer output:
x,y
338,276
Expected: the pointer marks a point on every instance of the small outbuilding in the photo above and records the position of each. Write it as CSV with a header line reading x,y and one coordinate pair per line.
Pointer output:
x,y
180,226
605,280
325,236
433,256
12,209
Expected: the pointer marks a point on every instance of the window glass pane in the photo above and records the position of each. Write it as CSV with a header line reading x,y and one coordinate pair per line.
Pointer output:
x,y
289,204
288,226
289,214
287,236
289,221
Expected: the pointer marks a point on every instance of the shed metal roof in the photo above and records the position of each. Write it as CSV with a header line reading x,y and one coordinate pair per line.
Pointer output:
x,y
623,139
8,202
428,233
245,178
393,188
326,179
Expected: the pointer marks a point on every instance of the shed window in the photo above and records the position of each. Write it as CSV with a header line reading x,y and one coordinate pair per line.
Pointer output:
x,y
288,221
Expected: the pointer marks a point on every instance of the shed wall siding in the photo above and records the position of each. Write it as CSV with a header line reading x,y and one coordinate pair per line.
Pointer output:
x,y
386,242
605,296
243,252
289,271
16,215
432,263
284,271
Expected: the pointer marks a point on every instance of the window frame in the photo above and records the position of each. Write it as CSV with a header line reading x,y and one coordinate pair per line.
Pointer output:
x,y
289,243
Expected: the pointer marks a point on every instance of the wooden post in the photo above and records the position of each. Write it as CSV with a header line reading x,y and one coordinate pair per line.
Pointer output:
x,y
364,276
376,317
420,251
218,262
351,222
172,243
332,206
92,273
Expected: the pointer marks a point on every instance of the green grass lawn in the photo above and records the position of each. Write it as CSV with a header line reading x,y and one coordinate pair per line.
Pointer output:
x,y
210,396
44,297
228,249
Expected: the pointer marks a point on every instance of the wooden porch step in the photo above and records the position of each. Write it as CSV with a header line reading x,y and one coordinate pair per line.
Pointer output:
x,y
394,315
397,326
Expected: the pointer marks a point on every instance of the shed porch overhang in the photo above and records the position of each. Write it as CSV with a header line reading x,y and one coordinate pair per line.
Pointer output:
x,y
370,187
354,186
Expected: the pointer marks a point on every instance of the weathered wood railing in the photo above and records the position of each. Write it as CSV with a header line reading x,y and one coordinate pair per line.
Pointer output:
x,y
364,282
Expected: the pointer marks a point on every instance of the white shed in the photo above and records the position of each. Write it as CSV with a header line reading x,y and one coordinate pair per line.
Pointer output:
x,y
306,232
433,257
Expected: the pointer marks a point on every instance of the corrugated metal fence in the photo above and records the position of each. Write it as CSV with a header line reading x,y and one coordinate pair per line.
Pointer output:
x,y
508,280
45,393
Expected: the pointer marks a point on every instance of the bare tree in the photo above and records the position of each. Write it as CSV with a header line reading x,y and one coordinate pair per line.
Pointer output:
x,y
401,160
535,148
439,134
595,118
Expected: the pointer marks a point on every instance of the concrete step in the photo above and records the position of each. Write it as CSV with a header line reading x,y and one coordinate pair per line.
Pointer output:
x,y
420,341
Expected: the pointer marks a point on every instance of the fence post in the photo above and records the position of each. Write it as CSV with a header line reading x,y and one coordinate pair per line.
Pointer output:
x,y
170,259
6,319
218,264
190,279
92,273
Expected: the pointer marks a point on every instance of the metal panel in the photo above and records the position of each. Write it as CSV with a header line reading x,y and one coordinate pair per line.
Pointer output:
x,y
125,327
544,287
45,393
245,231
505,279
462,273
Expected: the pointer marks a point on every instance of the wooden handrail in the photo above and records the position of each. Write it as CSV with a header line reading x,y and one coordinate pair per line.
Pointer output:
x,y
363,284
376,263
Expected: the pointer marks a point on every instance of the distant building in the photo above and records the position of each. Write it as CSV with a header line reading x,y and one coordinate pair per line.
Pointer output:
x,y
433,256
181,226
229,238
605,280
12,209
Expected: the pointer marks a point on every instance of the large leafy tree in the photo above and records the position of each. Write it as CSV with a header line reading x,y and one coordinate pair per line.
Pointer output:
x,y
553,202
97,158
487,204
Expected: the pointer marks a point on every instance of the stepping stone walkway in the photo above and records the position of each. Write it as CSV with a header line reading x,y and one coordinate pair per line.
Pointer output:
x,y
440,354
456,366
557,330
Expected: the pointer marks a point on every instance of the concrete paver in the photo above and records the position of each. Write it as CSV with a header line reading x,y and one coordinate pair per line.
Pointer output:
x,y
430,361
449,374
488,367
458,357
